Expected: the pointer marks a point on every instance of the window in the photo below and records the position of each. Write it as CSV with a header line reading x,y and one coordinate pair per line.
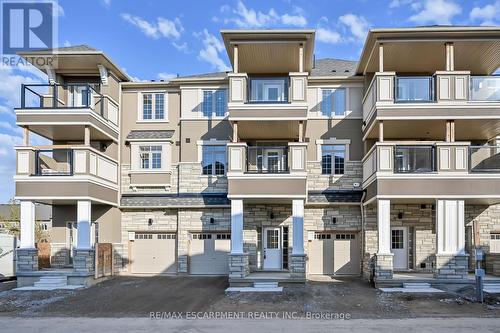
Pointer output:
x,y
214,160
214,102
150,157
332,159
397,239
333,102
269,90
495,242
153,106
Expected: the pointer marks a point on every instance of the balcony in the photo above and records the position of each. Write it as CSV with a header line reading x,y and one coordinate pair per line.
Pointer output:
x,y
257,102
267,172
60,112
65,172
430,169
471,101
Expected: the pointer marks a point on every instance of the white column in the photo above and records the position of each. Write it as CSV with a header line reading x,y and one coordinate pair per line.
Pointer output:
x,y
384,226
84,219
87,136
298,226
235,59
450,219
26,136
301,58
381,58
236,226
27,225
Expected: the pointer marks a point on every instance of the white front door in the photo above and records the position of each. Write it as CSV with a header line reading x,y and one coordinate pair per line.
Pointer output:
x,y
399,246
272,248
273,161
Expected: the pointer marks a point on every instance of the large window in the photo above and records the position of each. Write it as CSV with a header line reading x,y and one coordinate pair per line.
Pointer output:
x,y
414,89
332,159
153,106
333,102
214,160
214,102
150,157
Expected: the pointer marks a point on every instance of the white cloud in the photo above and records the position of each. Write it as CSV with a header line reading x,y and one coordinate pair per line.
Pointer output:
x,y
328,36
166,76
67,43
487,15
250,18
436,12
357,25
171,29
10,81
183,47
106,3
399,3
212,48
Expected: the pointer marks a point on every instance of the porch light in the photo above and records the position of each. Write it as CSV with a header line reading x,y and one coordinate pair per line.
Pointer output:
x,y
334,220
400,215
271,216
150,222
212,220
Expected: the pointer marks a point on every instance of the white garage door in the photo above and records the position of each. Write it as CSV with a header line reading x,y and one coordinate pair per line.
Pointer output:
x,y
208,253
331,253
154,253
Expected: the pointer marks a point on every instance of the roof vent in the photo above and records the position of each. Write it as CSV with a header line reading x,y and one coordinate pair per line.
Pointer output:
x,y
162,80
334,71
152,80
347,71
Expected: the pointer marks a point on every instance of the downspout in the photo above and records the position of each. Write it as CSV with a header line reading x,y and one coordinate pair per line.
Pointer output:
x,y
362,209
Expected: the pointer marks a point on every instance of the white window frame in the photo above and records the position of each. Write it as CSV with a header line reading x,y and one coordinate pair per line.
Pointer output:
x,y
212,142
333,90
213,114
140,106
333,142
135,156
150,157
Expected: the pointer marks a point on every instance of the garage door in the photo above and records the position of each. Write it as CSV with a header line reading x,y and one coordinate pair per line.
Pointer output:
x,y
331,253
154,253
208,253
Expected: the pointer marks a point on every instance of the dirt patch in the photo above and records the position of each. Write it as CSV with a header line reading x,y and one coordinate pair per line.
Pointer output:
x,y
138,296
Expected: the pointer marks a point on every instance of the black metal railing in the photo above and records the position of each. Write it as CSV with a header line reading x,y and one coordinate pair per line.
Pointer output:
x,y
54,162
484,159
414,159
67,96
267,159
414,89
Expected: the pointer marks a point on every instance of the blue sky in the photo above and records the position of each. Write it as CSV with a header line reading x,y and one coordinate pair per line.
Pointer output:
x,y
154,39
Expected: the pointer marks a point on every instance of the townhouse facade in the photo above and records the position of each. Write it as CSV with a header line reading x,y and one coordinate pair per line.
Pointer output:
x,y
285,167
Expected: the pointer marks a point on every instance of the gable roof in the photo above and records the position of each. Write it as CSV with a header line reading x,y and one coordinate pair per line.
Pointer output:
x,y
334,67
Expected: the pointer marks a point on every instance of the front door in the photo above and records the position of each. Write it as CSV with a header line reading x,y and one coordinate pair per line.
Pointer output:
x,y
272,248
399,247
273,160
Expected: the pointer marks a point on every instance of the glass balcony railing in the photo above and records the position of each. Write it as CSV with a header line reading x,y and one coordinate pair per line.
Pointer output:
x,y
484,159
54,162
268,90
485,88
267,159
51,96
414,159
414,89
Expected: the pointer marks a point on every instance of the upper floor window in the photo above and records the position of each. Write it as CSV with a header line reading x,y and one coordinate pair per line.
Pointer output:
x,y
214,102
214,159
270,90
153,106
333,159
150,157
333,102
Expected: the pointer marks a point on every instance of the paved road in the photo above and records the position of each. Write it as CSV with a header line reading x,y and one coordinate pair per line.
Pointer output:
x,y
108,325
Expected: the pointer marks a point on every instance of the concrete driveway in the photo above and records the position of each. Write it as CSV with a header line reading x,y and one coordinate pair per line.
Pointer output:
x,y
141,296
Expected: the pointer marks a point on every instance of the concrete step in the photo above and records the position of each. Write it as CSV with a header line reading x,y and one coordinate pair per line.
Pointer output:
x,y
255,290
416,285
267,284
51,281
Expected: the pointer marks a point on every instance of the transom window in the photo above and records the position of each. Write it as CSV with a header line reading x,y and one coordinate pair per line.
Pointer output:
x,y
150,157
214,160
214,102
153,106
332,159
333,102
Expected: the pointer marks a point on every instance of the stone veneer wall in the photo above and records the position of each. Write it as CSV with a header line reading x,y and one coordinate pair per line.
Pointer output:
x,y
353,173
191,180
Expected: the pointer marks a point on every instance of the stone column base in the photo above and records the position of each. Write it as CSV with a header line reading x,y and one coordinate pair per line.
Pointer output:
x,y
238,265
451,266
27,260
384,266
83,261
298,266
182,264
